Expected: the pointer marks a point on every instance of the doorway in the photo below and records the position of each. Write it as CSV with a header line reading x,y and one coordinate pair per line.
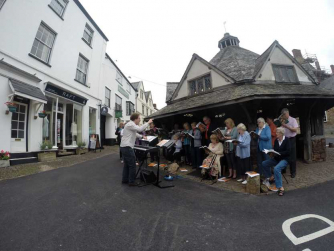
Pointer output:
x,y
19,129
60,129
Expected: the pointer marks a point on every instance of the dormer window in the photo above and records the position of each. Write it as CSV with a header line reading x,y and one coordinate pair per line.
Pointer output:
x,y
285,74
199,85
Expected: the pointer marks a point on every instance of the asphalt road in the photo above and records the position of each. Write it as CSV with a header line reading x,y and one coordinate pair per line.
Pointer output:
x,y
85,207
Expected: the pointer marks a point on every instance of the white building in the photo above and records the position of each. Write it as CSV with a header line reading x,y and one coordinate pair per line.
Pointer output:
x,y
119,95
52,56
144,101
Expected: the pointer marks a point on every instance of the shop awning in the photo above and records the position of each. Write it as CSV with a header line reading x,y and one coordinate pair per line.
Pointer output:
x,y
27,91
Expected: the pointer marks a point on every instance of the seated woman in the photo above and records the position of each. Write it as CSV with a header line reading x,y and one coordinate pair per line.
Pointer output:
x,y
216,148
178,148
279,162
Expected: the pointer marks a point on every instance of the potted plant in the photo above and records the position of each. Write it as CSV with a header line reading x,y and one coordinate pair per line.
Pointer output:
x,y
81,148
45,154
4,159
42,114
11,106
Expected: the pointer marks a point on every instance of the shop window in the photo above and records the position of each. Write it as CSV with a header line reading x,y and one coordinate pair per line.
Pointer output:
x,y
92,120
82,68
42,46
118,103
88,35
58,6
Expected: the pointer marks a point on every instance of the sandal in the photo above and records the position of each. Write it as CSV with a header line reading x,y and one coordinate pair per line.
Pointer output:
x,y
280,192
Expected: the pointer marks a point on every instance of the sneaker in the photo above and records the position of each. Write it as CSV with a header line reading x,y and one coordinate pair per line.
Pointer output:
x,y
240,180
244,182
266,183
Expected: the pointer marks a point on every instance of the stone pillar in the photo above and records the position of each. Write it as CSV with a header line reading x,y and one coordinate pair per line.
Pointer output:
x,y
253,185
318,148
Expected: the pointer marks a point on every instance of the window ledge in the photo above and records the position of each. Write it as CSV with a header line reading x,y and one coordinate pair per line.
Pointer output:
x,y
81,83
86,42
56,12
40,60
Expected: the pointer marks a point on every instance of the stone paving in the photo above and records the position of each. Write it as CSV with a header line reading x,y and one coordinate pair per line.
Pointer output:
x,y
31,168
307,174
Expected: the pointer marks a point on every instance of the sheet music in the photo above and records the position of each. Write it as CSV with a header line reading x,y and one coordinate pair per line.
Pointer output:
x,y
150,138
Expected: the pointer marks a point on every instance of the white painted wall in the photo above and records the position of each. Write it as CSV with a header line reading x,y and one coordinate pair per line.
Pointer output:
x,y
278,57
199,69
142,101
19,24
108,79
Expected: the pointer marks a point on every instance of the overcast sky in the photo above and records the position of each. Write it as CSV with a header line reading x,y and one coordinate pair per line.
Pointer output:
x,y
153,40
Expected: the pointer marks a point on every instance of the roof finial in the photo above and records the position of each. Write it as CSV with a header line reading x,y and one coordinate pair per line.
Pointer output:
x,y
225,26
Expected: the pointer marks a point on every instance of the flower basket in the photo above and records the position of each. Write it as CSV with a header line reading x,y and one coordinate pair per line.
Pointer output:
x,y
42,115
12,108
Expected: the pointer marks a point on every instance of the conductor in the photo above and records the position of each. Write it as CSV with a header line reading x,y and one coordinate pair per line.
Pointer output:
x,y
130,133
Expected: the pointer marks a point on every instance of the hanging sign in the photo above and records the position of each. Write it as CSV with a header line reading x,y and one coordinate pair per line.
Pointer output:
x,y
65,94
104,110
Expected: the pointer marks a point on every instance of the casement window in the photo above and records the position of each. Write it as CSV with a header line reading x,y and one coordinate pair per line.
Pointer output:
x,y
58,6
107,97
147,111
141,94
143,110
43,43
82,68
2,2
118,103
128,88
88,35
119,77
130,108
199,85
285,74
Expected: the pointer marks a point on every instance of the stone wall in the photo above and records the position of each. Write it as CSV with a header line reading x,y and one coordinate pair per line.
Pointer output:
x,y
329,125
318,148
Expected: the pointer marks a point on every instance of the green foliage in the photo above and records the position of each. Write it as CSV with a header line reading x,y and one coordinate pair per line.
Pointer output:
x,y
46,145
81,144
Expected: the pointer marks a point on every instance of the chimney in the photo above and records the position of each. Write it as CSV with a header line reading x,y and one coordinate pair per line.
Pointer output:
x,y
297,54
317,65
332,67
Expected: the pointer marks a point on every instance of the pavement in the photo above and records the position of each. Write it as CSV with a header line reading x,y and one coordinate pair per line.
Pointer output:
x,y
85,207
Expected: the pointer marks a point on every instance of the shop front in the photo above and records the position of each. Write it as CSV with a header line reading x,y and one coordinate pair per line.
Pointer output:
x,y
63,125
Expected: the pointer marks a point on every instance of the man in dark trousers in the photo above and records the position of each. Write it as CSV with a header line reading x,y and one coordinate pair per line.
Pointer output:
x,y
210,126
130,134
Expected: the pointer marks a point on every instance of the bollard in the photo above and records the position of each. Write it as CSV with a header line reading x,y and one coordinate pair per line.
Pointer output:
x,y
253,185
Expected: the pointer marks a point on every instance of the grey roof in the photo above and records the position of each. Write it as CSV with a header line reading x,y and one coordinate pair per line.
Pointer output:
x,y
260,61
236,62
147,94
135,85
328,84
170,88
235,93
310,69
32,91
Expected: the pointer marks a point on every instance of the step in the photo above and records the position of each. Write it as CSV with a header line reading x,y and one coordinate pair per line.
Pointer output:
x,y
19,161
23,155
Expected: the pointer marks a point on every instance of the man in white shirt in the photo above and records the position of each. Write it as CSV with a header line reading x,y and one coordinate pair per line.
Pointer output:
x,y
130,133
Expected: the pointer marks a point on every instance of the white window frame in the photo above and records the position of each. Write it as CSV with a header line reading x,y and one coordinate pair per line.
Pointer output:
x,y
129,111
325,117
117,105
285,67
81,70
119,77
89,35
47,28
128,88
107,99
59,2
